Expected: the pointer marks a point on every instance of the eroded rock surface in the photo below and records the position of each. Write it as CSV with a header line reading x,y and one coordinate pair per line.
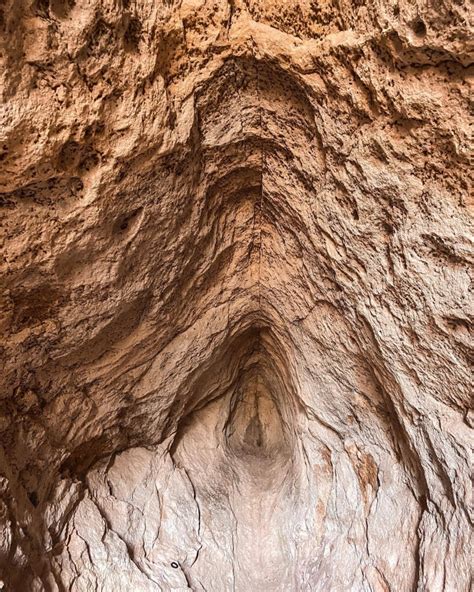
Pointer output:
x,y
235,296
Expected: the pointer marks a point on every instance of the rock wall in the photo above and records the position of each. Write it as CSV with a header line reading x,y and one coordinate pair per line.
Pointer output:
x,y
235,306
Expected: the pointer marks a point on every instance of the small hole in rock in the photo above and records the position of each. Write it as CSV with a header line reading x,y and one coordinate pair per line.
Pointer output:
x,y
174,565
33,497
419,28
126,221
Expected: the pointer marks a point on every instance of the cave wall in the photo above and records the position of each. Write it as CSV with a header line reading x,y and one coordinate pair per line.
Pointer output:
x,y
235,308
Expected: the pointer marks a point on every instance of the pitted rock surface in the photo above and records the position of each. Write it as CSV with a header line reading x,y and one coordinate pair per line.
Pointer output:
x,y
235,309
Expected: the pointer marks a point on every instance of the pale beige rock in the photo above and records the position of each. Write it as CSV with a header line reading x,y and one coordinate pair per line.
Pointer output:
x,y
235,303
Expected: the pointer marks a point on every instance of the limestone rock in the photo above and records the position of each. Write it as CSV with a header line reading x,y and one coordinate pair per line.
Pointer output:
x,y
235,308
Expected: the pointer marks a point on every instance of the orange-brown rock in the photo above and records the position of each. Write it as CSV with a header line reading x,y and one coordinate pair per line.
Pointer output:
x,y
235,308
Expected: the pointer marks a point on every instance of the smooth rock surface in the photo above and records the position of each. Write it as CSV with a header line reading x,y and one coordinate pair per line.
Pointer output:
x,y
235,307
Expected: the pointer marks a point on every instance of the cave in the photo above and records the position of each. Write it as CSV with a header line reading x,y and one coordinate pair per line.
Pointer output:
x,y
235,310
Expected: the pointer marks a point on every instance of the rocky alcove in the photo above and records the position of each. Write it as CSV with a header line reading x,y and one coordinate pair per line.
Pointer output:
x,y
235,307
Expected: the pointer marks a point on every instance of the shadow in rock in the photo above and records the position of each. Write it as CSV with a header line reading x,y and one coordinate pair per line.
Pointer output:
x,y
239,450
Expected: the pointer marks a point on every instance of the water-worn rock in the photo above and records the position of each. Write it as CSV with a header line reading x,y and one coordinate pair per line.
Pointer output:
x,y
235,304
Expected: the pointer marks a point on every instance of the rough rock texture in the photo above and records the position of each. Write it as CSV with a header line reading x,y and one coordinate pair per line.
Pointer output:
x,y
235,311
